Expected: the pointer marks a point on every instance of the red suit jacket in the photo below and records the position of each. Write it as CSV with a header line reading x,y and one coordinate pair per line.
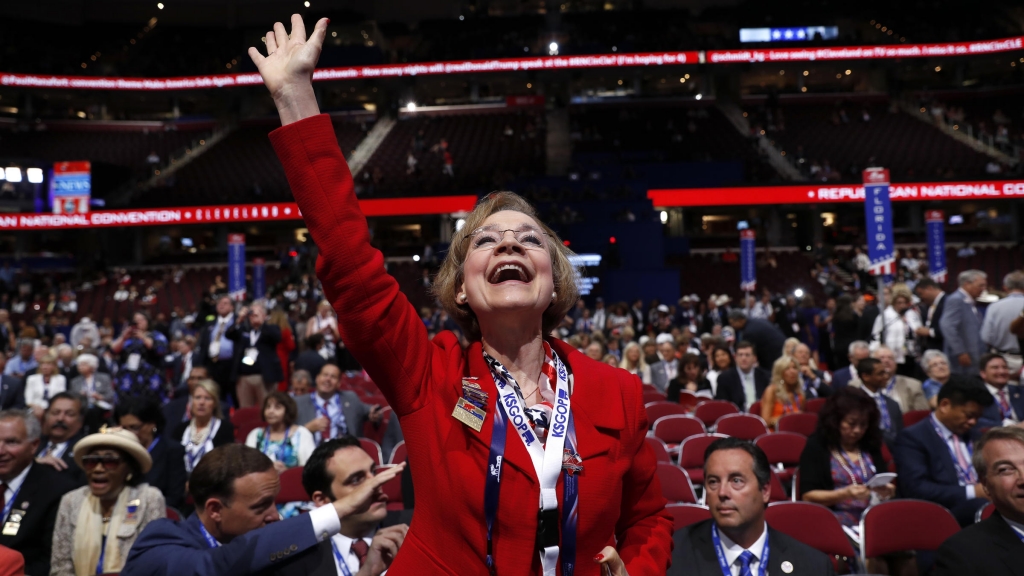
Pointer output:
x,y
12,563
620,501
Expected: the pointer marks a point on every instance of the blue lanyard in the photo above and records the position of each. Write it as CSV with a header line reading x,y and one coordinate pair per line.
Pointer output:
x,y
492,488
9,505
762,564
342,565
279,452
963,475
153,444
210,540
103,552
325,411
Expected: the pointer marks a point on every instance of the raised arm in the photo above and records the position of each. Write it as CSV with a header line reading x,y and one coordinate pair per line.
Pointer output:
x,y
375,320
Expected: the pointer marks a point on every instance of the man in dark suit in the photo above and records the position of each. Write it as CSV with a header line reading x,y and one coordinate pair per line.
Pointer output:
x,y
933,303
857,351
310,359
12,389
961,324
745,383
1007,407
216,351
329,413
737,479
30,493
873,379
181,365
256,368
179,410
367,542
765,336
235,529
933,458
992,547
63,427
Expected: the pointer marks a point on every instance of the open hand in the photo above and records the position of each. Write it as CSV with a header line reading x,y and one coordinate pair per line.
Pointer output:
x,y
58,464
287,69
368,493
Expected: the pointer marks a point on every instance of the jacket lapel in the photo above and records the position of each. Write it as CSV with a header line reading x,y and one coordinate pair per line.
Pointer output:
x,y
1004,538
597,419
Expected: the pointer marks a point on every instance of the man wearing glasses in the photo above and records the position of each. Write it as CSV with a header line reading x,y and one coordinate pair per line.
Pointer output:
x,y
30,493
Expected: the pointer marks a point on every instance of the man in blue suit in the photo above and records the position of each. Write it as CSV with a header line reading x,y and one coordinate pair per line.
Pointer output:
x,y
857,351
1007,407
235,529
933,457
961,324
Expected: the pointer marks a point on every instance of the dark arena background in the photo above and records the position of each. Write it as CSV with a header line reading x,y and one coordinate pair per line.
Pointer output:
x,y
810,164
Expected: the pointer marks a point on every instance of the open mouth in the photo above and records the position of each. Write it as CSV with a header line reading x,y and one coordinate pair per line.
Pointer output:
x,y
99,482
509,272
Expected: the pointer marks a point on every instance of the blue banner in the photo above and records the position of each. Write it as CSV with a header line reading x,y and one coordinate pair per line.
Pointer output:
x,y
748,269
935,221
259,278
236,266
878,222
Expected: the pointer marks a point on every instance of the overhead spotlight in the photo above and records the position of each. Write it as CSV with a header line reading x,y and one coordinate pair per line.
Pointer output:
x,y
160,5
411,106
461,17
664,217
415,257
553,48
35,175
807,72
938,68
699,96
459,224
306,3
798,293
848,72
12,174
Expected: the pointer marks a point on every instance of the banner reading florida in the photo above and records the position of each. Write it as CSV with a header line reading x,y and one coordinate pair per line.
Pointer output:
x,y
935,221
878,222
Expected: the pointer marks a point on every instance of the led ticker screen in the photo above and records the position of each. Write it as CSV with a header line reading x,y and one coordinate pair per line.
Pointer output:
x,y
790,34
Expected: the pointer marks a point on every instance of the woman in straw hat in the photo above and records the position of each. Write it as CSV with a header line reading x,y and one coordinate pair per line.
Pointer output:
x,y
98,523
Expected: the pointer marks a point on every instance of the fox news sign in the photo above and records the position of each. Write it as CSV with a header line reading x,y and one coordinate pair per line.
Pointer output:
x,y
71,187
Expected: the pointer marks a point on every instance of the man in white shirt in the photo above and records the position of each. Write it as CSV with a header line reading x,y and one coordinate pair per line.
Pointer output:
x,y
366,544
995,328
216,350
737,483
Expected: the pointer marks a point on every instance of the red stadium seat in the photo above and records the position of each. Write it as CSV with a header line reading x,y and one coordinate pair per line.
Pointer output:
x,y
398,454
653,396
373,449
745,426
675,484
241,417
685,514
814,405
915,416
656,410
173,514
813,525
676,428
778,491
804,423
709,412
688,400
783,450
755,408
291,487
691,455
242,430
393,490
984,512
904,525
660,449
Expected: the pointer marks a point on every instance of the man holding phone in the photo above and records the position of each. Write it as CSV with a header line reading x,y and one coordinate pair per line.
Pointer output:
x,y
255,365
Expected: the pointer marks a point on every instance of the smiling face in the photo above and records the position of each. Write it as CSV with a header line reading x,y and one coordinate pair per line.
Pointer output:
x,y
274,413
995,372
16,450
507,271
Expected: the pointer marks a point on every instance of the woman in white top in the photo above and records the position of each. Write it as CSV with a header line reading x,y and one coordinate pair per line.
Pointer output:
x,y
634,363
285,443
206,429
901,320
325,323
43,385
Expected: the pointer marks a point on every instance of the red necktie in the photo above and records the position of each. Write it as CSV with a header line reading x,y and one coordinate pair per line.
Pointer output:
x,y
360,548
1004,404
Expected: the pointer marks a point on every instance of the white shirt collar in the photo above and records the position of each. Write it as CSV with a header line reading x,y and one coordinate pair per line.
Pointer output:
x,y
868,391
344,545
1017,526
745,375
15,485
733,550
946,432
993,390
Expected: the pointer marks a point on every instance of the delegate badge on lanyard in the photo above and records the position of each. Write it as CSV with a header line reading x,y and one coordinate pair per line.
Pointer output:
x,y
548,462
762,564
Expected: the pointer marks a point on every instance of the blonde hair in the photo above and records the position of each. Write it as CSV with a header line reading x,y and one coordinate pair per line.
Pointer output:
x,y
280,319
782,393
211,388
789,346
450,277
641,364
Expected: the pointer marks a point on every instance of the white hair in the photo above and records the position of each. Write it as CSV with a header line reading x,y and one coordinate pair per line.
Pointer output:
x,y
968,276
33,429
930,355
88,359
857,345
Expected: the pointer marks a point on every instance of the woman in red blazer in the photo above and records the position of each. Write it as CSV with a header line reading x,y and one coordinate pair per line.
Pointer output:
x,y
490,503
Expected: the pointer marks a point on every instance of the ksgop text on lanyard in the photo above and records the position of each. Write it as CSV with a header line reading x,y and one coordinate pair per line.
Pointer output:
x,y
546,461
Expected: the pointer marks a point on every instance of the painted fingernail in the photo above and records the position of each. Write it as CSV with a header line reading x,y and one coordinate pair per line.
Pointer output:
x,y
599,557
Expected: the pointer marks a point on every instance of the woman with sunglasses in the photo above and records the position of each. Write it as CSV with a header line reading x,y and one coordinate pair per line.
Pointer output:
x,y
98,523
544,446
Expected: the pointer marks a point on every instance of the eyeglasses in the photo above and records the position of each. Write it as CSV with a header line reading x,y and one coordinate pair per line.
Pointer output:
x,y
487,236
108,462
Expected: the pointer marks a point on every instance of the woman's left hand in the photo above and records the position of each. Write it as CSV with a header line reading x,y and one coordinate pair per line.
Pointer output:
x,y
611,564
885,492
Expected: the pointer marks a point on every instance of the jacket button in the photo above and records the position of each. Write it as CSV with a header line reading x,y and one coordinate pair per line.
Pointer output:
x,y
273,557
294,548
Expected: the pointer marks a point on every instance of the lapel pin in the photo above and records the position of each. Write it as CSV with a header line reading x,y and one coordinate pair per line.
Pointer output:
x,y
24,504
787,567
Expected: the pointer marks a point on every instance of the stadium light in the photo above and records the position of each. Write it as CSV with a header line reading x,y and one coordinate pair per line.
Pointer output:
x,y
699,96
459,224
799,293
35,175
411,106
553,48
415,257
13,174
306,3
664,217
160,5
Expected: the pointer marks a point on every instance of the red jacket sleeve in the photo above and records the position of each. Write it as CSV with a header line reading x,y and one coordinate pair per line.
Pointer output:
x,y
644,530
376,321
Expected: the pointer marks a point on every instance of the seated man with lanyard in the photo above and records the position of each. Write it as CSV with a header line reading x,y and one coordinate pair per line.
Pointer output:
x,y
737,541
1007,407
933,457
